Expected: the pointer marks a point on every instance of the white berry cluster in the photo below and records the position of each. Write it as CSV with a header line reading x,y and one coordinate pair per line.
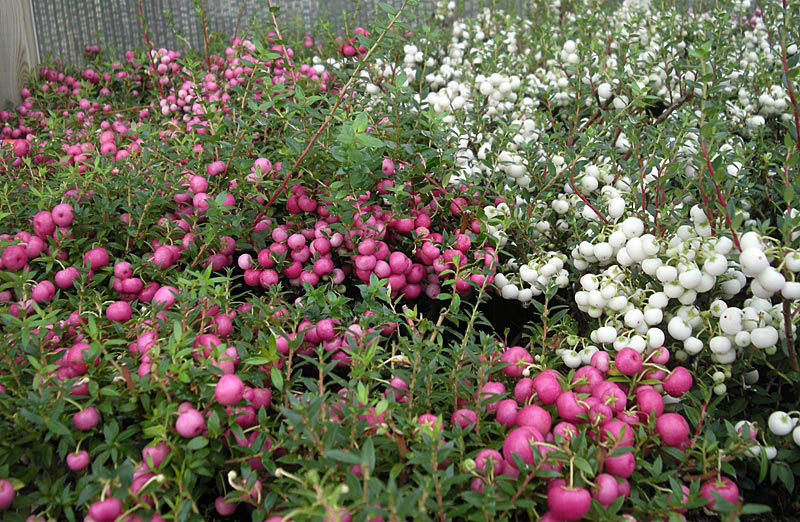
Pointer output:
x,y
782,423
532,278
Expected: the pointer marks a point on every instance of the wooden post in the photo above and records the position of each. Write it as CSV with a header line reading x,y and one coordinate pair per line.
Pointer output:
x,y
18,51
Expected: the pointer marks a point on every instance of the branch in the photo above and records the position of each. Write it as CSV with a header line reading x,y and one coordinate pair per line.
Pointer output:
x,y
675,106
791,97
585,201
150,49
342,93
787,329
280,38
719,196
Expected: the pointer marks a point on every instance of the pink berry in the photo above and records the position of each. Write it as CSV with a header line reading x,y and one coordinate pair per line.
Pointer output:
x,y
63,215
567,503
217,167
87,419
65,278
628,361
223,507
190,424
485,456
464,418
6,494
14,258
78,461
536,417
673,429
106,510
678,382
506,412
547,388
518,443
229,390
725,488
153,456
606,489
119,312
43,292
96,258
517,358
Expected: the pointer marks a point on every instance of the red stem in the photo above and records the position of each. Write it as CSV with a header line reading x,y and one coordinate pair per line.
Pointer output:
x,y
205,32
699,424
719,196
792,98
150,51
585,201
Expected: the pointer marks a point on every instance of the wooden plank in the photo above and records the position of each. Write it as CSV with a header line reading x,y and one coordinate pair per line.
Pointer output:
x,y
18,53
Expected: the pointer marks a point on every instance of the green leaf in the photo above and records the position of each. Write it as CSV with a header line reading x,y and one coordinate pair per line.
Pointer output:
x,y
58,428
369,141
583,465
361,122
755,509
197,443
258,361
368,454
762,473
277,378
343,456
785,475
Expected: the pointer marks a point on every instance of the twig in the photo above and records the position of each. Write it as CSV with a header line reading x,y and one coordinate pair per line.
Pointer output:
x,y
593,118
278,32
202,7
791,97
585,201
150,50
787,329
699,424
719,196
675,106
239,18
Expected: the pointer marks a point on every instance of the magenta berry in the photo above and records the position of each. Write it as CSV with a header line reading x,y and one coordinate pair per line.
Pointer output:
x,y
518,443
96,258
606,489
506,412
119,312
517,358
547,388
153,456
190,424
14,258
229,390
78,461
63,215
725,488
485,456
106,510
464,418
87,419
678,382
673,429
567,503
223,507
536,417
628,361
6,494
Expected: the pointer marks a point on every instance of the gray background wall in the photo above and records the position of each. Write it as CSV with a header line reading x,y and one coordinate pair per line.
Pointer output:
x,y
18,51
